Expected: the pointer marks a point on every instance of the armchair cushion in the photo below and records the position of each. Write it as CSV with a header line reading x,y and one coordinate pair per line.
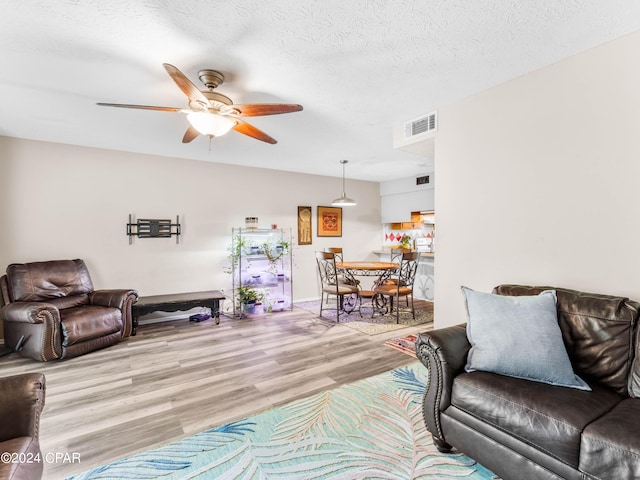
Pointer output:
x,y
69,302
519,337
84,323
41,281
550,417
610,450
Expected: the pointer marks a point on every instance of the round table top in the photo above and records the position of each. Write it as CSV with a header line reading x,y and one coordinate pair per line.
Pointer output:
x,y
367,265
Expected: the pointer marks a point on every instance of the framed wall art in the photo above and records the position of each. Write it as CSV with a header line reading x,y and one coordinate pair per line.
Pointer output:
x,y
304,226
329,221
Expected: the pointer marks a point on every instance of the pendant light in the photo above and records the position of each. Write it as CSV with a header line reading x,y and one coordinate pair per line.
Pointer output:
x,y
343,201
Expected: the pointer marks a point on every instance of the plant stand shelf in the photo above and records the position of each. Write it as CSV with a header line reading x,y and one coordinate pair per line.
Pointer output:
x,y
262,260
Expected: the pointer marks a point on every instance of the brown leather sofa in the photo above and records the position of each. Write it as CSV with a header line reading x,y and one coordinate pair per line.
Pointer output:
x,y
21,401
521,429
51,311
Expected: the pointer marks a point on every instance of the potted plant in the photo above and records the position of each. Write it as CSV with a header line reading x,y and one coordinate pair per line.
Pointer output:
x,y
238,244
274,253
247,297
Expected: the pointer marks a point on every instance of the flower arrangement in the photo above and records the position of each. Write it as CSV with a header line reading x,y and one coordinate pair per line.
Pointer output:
x,y
405,241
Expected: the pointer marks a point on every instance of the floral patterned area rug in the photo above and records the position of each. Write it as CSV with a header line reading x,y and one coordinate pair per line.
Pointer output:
x,y
373,324
405,344
372,428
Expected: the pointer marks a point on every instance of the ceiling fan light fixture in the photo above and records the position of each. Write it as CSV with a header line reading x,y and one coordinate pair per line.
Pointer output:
x,y
343,201
210,123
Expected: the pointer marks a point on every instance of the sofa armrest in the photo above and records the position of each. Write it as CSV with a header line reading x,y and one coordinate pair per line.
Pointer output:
x,y
444,353
120,299
111,298
33,329
30,312
21,401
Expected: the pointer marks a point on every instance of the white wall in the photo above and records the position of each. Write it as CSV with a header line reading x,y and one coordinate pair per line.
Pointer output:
x,y
62,201
538,181
401,197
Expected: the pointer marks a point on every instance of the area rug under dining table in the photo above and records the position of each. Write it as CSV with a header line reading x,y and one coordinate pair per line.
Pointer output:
x,y
372,428
368,323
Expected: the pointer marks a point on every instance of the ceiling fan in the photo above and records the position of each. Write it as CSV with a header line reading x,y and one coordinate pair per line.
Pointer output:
x,y
212,113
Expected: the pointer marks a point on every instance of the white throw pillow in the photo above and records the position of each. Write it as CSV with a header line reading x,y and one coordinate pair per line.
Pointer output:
x,y
519,337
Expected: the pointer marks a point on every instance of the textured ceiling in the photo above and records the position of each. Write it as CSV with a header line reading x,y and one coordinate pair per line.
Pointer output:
x,y
358,67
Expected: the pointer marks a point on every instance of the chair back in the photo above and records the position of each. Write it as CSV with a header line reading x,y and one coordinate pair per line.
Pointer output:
x,y
5,299
337,251
47,281
396,254
327,268
408,268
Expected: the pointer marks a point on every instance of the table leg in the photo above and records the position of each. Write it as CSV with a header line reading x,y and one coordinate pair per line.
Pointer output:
x,y
134,323
215,310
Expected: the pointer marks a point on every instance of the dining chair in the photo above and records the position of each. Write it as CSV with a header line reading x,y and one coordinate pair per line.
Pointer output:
x,y
331,285
337,251
396,254
396,257
403,285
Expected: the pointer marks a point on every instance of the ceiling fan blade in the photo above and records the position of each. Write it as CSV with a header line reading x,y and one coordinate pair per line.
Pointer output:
x,y
247,129
190,134
188,88
259,109
142,107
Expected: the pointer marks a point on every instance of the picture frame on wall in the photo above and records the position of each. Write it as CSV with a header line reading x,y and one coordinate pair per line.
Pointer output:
x,y
329,221
305,231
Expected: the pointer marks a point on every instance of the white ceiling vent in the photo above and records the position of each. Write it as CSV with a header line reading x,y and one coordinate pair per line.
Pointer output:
x,y
425,124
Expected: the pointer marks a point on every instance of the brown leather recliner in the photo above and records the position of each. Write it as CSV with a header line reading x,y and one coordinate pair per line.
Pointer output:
x,y
21,401
51,311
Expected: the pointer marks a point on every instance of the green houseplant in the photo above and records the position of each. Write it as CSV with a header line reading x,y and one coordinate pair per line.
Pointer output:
x,y
247,296
405,241
274,253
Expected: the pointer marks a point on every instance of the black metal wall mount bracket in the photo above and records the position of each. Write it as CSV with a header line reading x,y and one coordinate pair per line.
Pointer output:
x,y
153,228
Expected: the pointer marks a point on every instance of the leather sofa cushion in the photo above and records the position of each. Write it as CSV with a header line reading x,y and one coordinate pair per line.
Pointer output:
x,y
87,322
28,447
69,302
548,417
41,281
611,445
597,331
633,382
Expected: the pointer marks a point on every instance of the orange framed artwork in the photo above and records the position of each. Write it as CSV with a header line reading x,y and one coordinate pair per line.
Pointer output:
x,y
329,221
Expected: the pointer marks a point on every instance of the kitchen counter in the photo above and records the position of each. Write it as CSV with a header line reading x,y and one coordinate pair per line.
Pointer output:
x,y
424,282
388,252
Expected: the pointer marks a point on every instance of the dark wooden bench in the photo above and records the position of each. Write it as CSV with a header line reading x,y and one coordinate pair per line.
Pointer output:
x,y
177,301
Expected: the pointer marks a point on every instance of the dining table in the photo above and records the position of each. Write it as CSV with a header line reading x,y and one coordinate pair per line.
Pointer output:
x,y
367,269
380,270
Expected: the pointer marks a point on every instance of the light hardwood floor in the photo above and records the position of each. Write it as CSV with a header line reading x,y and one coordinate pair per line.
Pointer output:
x,y
176,378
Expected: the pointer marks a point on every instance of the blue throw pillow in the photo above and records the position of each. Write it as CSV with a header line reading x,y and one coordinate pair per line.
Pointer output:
x,y
519,337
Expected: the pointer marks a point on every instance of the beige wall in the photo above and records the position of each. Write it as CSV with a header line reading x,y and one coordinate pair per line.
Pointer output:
x,y
538,181
61,201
